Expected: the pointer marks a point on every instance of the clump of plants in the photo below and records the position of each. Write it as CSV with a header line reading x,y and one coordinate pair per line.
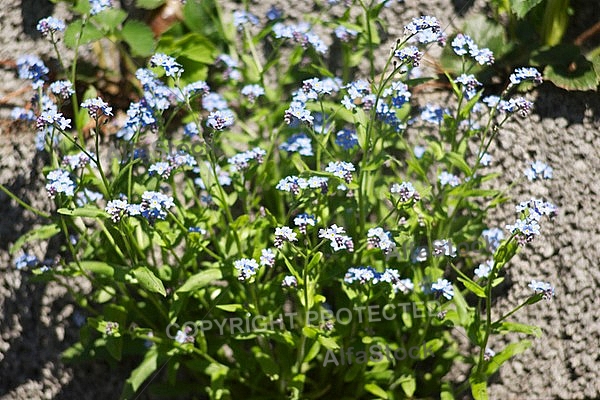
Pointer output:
x,y
261,225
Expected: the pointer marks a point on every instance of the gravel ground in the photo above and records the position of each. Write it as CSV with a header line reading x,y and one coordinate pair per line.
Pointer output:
x,y
564,131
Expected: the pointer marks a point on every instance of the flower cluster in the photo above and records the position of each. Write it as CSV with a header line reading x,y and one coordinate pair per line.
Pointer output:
x,y
337,237
493,237
345,34
219,120
443,287
247,268
538,169
294,184
364,275
542,287
50,25
483,270
171,67
26,261
469,84
300,33
32,68
97,107
405,191
299,143
304,220
525,74
409,55
241,18
381,239
59,181
447,178
463,45
154,205
444,247
98,6
63,89
341,169
240,161
532,211
284,234
79,160
425,30
252,92
346,139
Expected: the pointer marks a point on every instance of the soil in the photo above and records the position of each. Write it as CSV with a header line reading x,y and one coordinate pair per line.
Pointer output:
x,y
37,320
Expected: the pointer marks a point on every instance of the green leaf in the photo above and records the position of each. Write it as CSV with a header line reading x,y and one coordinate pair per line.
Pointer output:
x,y
408,384
268,366
522,7
139,375
41,233
97,267
110,19
517,327
230,307
473,287
86,211
503,356
376,390
149,4
328,343
315,260
200,280
580,74
89,34
478,387
149,281
459,162
139,37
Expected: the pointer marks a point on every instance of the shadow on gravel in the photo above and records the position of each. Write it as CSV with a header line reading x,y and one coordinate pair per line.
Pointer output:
x,y
553,102
31,12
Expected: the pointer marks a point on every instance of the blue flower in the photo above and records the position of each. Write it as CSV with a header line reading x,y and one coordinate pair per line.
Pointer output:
x,y
405,190
304,220
337,238
284,234
252,92
347,139
444,287
162,169
409,55
470,85
381,239
419,151
299,143
240,161
97,107
63,89
345,34
300,33
447,178
274,13
99,6
361,275
52,118
26,261
341,169
219,120
493,237
247,268
289,281
537,170
463,45
59,181
483,270
20,113
171,67
32,68
50,25
154,205
425,30
433,114
542,287
241,18
267,258
525,74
